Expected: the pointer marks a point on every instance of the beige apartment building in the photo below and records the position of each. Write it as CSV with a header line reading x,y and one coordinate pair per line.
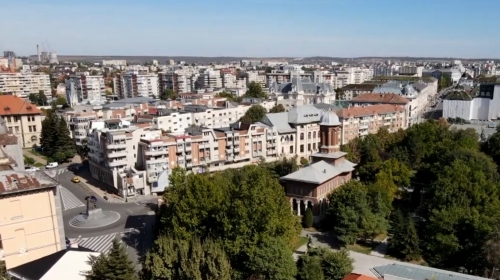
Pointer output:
x,y
31,224
361,121
23,84
22,119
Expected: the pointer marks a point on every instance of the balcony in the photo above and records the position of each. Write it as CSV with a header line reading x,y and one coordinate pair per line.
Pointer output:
x,y
153,160
155,152
180,149
117,162
363,126
117,154
229,151
236,149
189,165
188,148
189,156
117,145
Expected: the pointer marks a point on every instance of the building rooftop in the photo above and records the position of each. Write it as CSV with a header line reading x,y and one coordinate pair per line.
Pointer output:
x,y
20,181
368,110
319,172
13,105
389,98
356,276
414,272
66,264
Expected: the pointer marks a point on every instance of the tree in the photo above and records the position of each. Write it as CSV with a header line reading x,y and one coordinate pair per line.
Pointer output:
x,y
224,206
229,96
303,161
3,271
173,259
277,109
29,160
349,211
308,218
254,114
322,263
404,242
55,138
339,94
168,94
114,265
271,260
492,250
255,90
42,98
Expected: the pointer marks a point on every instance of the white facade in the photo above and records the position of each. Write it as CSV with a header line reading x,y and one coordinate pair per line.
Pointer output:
x,y
255,76
23,84
114,63
485,106
84,88
209,79
134,84
231,81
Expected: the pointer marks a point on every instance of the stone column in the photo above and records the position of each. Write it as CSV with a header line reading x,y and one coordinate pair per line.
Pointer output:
x,y
299,202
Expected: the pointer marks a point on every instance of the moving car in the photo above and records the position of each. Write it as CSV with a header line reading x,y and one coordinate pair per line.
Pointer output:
x,y
31,168
52,165
75,180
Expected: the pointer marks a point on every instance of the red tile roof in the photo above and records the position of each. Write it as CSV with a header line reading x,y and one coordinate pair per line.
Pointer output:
x,y
13,105
368,110
355,276
390,98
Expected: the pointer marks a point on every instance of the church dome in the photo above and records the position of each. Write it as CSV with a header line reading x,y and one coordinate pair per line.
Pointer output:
x,y
329,119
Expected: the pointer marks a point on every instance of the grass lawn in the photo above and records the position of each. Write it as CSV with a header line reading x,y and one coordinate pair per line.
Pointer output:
x,y
362,248
37,164
302,241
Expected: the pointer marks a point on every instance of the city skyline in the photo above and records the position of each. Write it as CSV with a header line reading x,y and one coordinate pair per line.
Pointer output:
x,y
257,28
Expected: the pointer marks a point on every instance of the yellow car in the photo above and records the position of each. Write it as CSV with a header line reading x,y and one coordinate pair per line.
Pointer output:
x,y
75,180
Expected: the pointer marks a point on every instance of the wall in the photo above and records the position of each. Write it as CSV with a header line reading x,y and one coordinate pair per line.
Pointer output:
x,y
457,109
29,227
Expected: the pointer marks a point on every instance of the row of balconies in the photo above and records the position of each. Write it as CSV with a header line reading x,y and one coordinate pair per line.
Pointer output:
x,y
117,153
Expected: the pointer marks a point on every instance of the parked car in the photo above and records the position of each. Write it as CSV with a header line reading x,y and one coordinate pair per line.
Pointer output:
x,y
31,168
75,180
52,165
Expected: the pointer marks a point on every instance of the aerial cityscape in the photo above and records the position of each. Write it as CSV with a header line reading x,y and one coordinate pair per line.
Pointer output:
x,y
257,140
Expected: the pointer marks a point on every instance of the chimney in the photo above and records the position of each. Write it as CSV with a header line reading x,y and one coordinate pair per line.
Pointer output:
x,y
324,170
38,52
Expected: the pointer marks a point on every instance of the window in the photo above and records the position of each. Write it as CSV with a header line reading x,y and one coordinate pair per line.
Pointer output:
x,y
34,128
301,148
309,147
314,146
291,149
301,136
30,128
314,134
17,129
309,135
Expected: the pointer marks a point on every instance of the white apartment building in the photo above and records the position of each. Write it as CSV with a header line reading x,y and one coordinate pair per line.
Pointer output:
x,y
209,79
23,84
231,81
79,125
257,77
84,88
114,63
136,84
113,155
181,81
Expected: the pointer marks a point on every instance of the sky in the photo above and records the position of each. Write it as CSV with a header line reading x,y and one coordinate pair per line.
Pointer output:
x,y
253,28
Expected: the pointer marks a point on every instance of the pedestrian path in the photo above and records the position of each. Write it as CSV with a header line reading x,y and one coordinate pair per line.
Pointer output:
x,y
100,244
69,200
55,172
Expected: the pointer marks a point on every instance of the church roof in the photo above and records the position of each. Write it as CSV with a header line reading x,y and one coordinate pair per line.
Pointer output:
x,y
329,119
319,172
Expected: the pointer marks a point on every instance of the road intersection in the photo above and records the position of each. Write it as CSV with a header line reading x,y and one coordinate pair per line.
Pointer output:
x,y
133,227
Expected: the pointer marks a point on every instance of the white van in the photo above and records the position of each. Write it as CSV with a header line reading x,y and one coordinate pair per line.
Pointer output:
x,y
52,165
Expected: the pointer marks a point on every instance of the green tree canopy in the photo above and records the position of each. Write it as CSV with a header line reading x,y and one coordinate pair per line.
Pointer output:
x,y
229,96
404,242
255,90
254,114
38,99
277,109
241,207
168,94
324,264
172,259
55,139
113,265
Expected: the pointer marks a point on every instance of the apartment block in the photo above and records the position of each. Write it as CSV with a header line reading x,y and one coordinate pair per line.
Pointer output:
x,y
31,224
85,88
361,121
180,82
136,84
22,119
23,84
257,77
209,79
79,125
202,149
113,155
231,81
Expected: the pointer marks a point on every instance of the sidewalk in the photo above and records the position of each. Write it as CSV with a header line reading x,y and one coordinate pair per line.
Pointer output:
x,y
27,153
111,196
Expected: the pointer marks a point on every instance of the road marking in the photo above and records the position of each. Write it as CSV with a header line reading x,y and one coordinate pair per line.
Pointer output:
x,y
69,200
55,172
100,244
137,203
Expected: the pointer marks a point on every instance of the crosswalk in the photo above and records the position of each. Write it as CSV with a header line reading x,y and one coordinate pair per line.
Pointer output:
x,y
55,172
69,200
100,244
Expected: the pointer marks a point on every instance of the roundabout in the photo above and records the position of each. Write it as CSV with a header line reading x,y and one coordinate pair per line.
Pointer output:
x,y
95,219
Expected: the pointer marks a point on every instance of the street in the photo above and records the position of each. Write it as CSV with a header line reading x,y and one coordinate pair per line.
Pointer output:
x,y
134,226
